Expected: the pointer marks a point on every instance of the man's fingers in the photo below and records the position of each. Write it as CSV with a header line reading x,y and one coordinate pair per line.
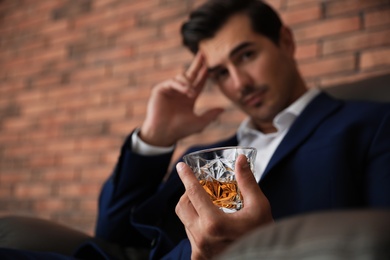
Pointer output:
x,y
185,210
201,78
177,86
195,192
250,189
195,66
210,115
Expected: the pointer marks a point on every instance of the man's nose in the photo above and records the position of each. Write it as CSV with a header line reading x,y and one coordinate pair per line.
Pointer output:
x,y
240,79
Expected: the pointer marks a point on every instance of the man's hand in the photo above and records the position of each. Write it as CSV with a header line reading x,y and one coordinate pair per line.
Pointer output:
x,y
170,114
209,229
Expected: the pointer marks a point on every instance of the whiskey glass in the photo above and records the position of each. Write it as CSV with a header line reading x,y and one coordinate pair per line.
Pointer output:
x,y
215,170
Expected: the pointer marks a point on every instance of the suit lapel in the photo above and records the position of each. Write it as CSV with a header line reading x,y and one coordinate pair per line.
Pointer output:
x,y
317,111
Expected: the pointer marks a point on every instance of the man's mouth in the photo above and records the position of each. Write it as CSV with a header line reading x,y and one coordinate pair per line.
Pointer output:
x,y
255,98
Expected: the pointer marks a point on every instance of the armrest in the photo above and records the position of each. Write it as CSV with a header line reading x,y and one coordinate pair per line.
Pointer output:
x,y
349,234
375,89
29,233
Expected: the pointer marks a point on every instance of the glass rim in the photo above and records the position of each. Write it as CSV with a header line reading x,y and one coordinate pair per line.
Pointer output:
x,y
219,149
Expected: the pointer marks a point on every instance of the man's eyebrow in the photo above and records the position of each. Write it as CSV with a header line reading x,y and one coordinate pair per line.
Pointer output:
x,y
233,52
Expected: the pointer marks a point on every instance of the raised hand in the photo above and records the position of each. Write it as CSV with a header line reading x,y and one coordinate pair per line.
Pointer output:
x,y
170,114
209,229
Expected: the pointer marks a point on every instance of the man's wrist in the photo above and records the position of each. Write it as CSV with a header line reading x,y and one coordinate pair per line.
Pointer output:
x,y
140,147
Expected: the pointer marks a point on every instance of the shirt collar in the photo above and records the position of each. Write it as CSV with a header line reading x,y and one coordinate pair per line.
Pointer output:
x,y
283,119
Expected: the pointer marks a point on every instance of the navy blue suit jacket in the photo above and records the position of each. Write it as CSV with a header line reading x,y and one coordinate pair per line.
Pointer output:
x,y
336,155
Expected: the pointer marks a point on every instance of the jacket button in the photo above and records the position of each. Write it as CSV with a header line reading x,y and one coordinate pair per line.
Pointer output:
x,y
153,243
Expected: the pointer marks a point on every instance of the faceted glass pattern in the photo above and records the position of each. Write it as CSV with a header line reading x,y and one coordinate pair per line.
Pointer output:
x,y
214,168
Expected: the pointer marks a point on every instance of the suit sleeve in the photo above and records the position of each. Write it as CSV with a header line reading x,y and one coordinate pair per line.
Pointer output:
x,y
378,171
134,180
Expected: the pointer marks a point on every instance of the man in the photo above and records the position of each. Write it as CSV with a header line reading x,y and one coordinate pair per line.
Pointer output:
x,y
314,152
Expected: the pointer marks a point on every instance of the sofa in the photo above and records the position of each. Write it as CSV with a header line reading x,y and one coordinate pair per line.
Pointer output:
x,y
350,234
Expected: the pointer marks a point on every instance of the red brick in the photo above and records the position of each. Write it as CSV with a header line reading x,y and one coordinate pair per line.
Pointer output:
x,y
9,137
125,9
139,109
20,150
99,173
327,66
64,39
99,144
109,55
306,51
27,70
43,135
90,73
110,157
152,77
70,190
48,54
32,190
137,35
158,46
129,95
78,102
62,145
172,58
11,87
276,4
60,26
5,192
102,3
113,83
77,159
42,160
105,113
89,205
377,18
125,24
354,6
134,65
124,128
39,108
375,58
17,124
299,3
164,13
52,204
11,177
47,80
327,27
296,16
357,41
58,175
137,7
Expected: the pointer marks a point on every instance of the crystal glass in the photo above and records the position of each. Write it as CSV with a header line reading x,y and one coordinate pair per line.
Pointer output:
x,y
214,168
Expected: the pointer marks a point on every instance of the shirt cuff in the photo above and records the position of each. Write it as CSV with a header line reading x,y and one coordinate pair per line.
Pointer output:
x,y
142,148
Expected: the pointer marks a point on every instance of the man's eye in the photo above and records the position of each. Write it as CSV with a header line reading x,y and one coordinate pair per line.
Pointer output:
x,y
247,55
221,74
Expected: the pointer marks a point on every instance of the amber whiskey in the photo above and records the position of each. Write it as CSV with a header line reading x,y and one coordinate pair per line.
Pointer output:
x,y
223,194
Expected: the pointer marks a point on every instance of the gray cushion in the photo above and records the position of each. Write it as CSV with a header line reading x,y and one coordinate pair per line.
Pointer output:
x,y
28,233
375,88
357,234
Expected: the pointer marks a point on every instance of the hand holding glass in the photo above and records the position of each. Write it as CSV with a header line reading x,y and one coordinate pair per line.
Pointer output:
x,y
215,170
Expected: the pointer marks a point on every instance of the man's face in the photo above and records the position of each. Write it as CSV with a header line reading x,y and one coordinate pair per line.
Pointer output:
x,y
252,71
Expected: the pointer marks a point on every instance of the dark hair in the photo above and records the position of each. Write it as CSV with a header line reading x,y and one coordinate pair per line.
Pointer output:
x,y
206,20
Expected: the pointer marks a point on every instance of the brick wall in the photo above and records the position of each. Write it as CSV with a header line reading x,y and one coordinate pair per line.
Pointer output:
x,y
75,76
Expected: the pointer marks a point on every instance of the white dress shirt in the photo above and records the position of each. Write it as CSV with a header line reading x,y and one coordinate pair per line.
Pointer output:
x,y
247,135
266,144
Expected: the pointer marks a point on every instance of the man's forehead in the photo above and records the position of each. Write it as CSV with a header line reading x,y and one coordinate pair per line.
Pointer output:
x,y
234,32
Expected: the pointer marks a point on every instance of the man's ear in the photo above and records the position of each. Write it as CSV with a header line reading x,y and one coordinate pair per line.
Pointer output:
x,y
286,40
